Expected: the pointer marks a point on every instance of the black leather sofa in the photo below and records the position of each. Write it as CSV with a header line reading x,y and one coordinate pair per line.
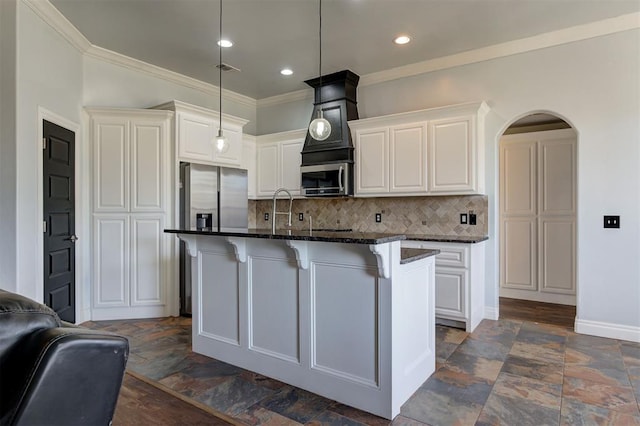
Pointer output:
x,y
53,373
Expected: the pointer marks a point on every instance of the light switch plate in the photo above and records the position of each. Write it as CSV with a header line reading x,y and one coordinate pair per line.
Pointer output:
x,y
463,218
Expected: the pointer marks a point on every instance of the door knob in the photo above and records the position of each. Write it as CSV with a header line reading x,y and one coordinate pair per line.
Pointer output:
x,y
73,238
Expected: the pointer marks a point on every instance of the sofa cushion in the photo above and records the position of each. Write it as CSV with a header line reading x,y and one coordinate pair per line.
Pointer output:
x,y
20,316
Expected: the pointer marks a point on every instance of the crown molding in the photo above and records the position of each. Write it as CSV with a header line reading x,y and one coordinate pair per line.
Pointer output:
x,y
50,15
298,95
541,41
163,73
604,27
56,20
59,23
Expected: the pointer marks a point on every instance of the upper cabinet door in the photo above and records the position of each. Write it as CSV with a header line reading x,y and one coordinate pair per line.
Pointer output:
x,y
110,165
290,160
149,140
372,161
452,155
195,137
408,158
268,169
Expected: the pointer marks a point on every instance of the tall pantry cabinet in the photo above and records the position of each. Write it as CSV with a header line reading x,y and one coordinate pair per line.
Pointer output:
x,y
131,205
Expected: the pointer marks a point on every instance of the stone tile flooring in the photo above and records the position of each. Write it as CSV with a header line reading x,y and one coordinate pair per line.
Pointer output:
x,y
507,372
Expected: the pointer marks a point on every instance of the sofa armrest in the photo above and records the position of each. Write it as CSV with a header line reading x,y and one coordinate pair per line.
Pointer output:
x,y
69,376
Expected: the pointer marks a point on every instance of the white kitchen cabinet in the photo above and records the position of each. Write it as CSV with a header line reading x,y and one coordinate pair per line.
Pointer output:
x,y
391,160
372,161
278,162
249,164
452,155
132,165
459,281
196,129
438,151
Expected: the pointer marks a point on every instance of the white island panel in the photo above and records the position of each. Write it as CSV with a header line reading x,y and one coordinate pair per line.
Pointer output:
x,y
218,296
274,306
344,315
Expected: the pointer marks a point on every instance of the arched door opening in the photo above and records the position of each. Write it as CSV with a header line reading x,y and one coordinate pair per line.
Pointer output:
x,y
537,217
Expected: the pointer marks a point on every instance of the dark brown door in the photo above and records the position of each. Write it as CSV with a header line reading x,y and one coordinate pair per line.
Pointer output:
x,y
59,220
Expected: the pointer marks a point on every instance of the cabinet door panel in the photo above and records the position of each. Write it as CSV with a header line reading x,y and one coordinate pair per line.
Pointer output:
x,y
195,136
519,253
451,292
557,177
267,169
290,160
372,161
146,260
111,261
451,155
249,163
518,185
557,255
408,158
147,159
110,166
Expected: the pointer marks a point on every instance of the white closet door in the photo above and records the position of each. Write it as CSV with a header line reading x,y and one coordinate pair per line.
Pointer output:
x,y
538,216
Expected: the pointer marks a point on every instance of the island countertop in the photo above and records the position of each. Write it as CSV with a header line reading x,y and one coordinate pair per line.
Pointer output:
x,y
302,235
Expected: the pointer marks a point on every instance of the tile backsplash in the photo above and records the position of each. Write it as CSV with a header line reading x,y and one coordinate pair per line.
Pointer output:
x,y
411,215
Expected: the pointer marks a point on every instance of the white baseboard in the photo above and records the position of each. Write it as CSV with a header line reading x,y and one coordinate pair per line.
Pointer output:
x,y
609,330
491,313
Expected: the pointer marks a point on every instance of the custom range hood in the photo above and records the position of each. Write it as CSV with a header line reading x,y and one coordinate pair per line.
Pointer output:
x,y
327,166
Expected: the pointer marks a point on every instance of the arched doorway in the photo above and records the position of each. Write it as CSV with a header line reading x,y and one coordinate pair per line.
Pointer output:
x,y
537,211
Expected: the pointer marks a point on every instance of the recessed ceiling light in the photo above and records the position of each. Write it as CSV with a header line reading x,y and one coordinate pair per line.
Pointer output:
x,y
403,39
225,43
286,71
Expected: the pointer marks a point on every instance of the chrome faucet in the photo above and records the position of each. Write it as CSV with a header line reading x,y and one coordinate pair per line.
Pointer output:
x,y
274,212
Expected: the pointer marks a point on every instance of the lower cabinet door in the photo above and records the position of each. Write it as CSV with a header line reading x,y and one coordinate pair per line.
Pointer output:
x,y
451,293
147,254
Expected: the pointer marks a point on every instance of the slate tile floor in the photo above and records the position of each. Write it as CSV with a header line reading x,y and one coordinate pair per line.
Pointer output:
x,y
507,372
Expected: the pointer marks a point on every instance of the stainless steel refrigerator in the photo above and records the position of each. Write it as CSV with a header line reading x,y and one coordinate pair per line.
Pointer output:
x,y
211,199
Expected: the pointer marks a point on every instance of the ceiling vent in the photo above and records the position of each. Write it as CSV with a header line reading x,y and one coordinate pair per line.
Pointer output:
x,y
227,67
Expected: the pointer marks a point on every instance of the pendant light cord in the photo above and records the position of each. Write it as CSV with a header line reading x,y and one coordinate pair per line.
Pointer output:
x,y
320,61
220,73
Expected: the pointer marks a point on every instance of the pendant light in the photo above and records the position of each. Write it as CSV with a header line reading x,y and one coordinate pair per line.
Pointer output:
x,y
221,143
320,128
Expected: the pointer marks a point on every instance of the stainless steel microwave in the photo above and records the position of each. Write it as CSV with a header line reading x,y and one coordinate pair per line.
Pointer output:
x,y
326,180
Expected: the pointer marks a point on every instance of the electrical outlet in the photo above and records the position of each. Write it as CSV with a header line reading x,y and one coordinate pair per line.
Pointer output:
x,y
472,218
266,216
612,221
378,217
300,216
463,218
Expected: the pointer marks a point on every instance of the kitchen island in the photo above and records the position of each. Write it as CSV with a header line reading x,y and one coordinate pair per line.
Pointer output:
x,y
349,316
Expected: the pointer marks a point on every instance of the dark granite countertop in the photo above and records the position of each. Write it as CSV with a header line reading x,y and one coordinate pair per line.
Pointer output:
x,y
281,234
447,238
408,255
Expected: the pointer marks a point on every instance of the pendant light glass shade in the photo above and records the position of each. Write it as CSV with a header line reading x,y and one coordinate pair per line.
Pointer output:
x,y
320,128
221,143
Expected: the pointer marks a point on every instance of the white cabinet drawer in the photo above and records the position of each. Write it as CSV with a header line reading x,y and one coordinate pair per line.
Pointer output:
x,y
451,254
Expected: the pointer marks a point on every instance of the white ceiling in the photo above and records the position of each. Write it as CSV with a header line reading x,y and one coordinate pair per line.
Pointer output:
x,y
181,35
